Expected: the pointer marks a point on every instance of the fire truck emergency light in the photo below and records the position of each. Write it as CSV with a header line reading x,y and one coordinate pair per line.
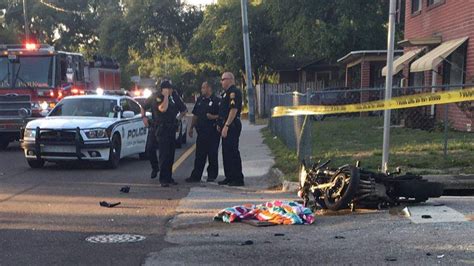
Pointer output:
x,y
31,46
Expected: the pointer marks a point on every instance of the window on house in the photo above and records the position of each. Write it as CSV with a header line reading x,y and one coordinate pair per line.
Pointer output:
x,y
433,2
417,80
416,5
454,67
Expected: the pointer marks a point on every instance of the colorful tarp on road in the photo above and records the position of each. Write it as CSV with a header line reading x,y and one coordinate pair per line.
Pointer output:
x,y
277,212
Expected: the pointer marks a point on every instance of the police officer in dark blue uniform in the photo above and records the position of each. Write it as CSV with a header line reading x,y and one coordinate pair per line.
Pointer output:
x,y
165,106
206,113
230,128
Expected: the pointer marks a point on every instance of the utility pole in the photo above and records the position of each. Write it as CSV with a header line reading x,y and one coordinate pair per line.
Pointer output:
x,y
25,17
388,84
248,65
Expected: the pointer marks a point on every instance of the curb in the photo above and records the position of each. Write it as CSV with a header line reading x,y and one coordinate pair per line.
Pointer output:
x,y
453,182
287,186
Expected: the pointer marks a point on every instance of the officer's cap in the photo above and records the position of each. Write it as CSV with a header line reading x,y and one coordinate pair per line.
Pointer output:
x,y
166,84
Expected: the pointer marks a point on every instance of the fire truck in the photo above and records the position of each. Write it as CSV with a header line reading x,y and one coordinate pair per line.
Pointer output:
x,y
34,77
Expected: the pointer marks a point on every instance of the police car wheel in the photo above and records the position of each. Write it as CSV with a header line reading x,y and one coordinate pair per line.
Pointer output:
x,y
179,140
143,156
114,156
35,163
4,144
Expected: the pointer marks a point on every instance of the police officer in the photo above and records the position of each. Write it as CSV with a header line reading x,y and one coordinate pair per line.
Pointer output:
x,y
230,128
205,117
164,106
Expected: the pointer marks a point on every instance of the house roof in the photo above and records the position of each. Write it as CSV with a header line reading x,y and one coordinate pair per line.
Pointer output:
x,y
313,64
355,55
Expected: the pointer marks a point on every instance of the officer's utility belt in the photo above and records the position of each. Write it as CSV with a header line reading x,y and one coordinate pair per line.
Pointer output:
x,y
220,122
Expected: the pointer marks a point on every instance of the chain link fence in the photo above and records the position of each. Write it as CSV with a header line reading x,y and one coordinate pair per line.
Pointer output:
x,y
429,139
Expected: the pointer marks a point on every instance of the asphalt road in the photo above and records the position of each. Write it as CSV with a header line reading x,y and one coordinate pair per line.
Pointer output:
x,y
46,214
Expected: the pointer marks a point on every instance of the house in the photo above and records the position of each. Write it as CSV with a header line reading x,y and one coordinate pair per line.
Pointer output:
x,y
364,68
316,71
438,50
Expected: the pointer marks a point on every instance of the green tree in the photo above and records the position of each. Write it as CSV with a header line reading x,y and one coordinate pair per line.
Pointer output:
x,y
319,29
218,40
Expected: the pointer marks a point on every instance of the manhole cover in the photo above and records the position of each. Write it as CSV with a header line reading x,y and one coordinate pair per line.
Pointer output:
x,y
124,238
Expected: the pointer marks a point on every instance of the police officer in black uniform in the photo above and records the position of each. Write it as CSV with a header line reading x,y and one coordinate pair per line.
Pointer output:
x,y
165,106
206,113
230,128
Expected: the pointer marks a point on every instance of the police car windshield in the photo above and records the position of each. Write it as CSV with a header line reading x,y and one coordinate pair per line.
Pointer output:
x,y
85,107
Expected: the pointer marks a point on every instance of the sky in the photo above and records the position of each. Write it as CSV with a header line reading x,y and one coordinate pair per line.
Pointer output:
x,y
200,2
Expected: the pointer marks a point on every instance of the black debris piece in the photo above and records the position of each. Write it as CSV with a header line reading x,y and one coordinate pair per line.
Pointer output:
x,y
108,205
428,254
215,234
390,259
279,234
339,237
246,243
125,189
426,216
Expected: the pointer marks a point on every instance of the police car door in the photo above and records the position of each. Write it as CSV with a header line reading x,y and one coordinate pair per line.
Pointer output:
x,y
136,132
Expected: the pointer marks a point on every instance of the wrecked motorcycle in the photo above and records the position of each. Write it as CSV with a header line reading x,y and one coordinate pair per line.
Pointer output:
x,y
352,186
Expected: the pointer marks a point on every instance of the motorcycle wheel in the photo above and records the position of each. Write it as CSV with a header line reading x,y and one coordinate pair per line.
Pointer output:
x,y
339,196
420,190
318,200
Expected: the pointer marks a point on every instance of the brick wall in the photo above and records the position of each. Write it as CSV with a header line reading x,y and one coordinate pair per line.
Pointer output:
x,y
457,118
452,19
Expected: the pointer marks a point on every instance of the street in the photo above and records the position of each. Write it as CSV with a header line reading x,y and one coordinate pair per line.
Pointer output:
x,y
46,214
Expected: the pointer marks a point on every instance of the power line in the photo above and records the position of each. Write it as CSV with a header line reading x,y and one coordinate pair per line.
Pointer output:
x,y
61,9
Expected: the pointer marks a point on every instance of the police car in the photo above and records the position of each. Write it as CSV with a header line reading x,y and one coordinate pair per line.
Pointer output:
x,y
100,128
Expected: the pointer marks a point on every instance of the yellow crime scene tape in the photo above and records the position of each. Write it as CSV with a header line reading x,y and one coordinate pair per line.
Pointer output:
x,y
417,100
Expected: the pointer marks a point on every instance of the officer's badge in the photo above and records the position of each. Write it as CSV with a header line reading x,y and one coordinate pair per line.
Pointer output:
x,y
232,95
223,96
158,100
210,103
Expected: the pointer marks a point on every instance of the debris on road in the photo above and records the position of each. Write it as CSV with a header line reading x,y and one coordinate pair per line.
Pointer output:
x,y
340,237
108,205
426,216
279,234
125,189
215,234
440,256
276,212
258,223
390,259
246,243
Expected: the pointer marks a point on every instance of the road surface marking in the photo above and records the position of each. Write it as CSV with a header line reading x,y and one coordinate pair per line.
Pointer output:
x,y
435,214
183,157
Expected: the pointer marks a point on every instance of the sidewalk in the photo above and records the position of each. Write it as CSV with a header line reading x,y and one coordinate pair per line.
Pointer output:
x,y
195,239
257,159
204,201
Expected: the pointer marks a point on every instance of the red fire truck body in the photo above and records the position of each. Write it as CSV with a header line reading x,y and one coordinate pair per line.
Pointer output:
x,y
33,78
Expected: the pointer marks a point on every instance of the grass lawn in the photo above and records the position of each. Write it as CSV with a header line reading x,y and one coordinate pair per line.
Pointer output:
x,y
346,140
